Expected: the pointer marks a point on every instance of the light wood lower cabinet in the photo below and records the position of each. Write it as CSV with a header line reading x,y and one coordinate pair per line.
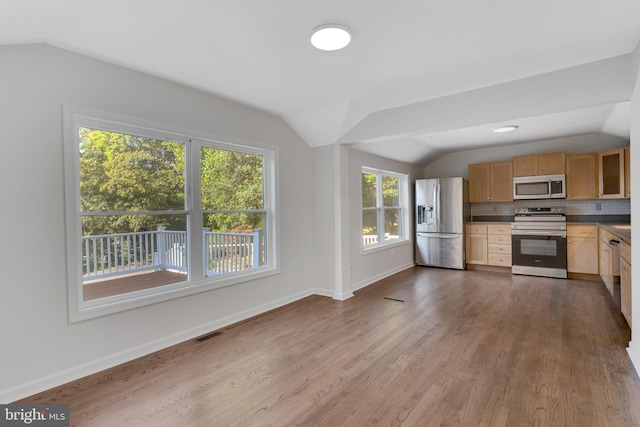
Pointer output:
x,y
489,244
608,259
582,249
625,281
499,245
476,242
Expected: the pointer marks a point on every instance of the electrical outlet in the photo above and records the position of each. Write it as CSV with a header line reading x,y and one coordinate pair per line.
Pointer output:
x,y
598,206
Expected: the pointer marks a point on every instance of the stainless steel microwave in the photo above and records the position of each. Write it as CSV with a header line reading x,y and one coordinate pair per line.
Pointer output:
x,y
539,187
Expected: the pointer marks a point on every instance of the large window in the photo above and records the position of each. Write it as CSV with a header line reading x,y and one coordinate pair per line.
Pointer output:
x,y
160,214
384,201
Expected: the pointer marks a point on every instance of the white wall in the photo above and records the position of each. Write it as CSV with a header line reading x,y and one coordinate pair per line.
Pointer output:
x,y
369,267
456,164
322,212
40,348
634,345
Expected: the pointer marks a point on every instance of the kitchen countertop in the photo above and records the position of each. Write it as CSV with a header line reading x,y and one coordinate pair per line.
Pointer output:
x,y
623,231
489,222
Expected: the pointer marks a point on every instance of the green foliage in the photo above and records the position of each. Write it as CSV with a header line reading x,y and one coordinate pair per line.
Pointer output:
x,y
390,194
231,180
369,190
128,174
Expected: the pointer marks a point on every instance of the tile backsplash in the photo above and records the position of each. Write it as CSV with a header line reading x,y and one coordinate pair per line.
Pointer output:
x,y
571,207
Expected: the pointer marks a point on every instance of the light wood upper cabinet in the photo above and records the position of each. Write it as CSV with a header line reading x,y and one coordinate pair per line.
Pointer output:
x,y
501,182
525,165
627,171
491,182
540,164
479,175
611,174
582,176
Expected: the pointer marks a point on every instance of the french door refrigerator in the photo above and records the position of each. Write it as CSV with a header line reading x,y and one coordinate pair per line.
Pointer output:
x,y
441,209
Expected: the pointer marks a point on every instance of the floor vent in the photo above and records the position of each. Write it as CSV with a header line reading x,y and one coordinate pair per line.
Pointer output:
x,y
393,299
208,336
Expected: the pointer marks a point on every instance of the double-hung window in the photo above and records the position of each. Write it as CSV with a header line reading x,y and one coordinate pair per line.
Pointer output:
x,y
384,207
154,214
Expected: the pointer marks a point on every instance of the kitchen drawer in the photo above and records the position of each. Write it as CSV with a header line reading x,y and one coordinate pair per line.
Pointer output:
x,y
499,229
500,239
500,260
476,228
497,248
582,231
625,251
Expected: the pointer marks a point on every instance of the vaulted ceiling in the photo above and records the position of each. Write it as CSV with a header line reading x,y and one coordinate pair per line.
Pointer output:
x,y
403,53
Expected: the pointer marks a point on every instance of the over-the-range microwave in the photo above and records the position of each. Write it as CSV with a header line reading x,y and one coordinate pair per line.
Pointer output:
x,y
539,187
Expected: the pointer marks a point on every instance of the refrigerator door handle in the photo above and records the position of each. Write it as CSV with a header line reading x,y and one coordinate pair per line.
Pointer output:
x,y
439,206
436,207
439,236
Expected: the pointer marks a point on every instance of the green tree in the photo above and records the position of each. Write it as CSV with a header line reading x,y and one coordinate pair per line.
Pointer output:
x,y
231,180
124,173
128,173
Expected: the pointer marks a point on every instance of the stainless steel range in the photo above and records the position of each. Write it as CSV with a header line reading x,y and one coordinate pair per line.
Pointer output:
x,y
539,242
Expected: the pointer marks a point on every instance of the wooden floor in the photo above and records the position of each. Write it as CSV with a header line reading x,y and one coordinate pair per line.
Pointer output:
x,y
129,283
426,347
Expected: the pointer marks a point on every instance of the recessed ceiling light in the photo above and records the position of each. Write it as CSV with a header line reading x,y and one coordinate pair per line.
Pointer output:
x,y
330,37
506,129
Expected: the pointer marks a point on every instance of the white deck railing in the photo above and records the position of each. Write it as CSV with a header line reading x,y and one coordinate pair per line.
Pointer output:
x,y
125,253
229,252
371,239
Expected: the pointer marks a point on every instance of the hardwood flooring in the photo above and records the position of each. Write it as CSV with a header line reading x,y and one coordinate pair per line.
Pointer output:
x,y
425,347
129,283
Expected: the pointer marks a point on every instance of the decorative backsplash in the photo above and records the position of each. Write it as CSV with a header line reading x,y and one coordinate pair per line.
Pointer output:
x,y
571,207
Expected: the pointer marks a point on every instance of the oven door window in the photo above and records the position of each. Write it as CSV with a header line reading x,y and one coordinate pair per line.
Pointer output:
x,y
539,247
539,251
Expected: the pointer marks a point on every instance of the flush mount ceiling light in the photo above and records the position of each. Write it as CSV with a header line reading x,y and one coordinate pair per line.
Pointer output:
x,y
330,37
506,129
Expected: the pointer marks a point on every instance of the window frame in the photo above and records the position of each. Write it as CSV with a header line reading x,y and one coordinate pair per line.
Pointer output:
x,y
197,281
403,203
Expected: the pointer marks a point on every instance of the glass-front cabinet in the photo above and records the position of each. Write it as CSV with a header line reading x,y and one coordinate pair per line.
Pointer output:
x,y
611,174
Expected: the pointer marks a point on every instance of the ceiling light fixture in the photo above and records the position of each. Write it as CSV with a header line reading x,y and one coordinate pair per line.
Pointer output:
x,y
506,129
330,37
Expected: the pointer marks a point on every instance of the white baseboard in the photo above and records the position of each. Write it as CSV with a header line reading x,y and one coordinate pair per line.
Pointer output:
x,y
343,296
381,276
54,380
323,292
635,357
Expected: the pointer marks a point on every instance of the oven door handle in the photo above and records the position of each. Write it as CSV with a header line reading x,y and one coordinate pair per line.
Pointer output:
x,y
553,233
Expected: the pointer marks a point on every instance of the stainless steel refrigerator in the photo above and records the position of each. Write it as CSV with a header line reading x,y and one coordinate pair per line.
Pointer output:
x,y
441,214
